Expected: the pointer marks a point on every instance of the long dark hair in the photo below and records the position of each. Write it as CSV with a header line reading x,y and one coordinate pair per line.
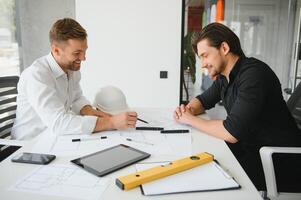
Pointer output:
x,y
216,33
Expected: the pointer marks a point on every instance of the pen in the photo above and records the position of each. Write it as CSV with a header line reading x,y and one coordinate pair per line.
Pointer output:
x,y
141,120
149,128
175,131
86,139
132,140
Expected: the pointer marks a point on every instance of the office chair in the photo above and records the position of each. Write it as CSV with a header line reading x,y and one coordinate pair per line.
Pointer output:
x,y
8,106
282,165
294,105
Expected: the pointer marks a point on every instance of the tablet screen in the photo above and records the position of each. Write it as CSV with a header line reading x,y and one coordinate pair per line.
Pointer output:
x,y
111,159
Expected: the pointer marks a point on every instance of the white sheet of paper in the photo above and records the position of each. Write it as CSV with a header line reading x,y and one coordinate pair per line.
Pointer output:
x,y
13,142
159,117
180,143
206,177
163,144
62,180
152,142
63,145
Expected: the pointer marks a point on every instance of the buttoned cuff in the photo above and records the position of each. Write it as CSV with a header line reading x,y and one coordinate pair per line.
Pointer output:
x,y
88,124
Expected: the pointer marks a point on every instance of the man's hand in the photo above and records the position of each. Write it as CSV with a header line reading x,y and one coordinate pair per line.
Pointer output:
x,y
183,114
88,110
120,121
124,120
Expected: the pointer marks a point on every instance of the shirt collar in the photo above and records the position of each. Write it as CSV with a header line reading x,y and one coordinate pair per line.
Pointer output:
x,y
54,66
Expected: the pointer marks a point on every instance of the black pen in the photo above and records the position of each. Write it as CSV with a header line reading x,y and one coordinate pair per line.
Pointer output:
x,y
87,139
175,131
141,120
149,128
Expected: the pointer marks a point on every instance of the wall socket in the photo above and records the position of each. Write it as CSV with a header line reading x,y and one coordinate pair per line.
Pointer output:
x,y
163,74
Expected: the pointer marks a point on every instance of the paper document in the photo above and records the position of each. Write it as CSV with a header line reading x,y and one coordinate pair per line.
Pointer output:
x,y
62,180
207,177
159,117
152,142
63,145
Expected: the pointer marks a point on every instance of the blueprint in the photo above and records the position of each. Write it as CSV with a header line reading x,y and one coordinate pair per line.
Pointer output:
x,y
62,180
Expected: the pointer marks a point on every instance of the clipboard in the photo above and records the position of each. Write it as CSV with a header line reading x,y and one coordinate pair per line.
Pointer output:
x,y
204,178
144,176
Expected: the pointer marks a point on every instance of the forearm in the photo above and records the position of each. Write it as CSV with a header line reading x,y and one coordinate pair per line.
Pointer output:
x,y
103,123
195,106
212,127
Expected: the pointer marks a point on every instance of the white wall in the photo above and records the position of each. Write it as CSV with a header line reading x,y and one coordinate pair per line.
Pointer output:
x,y
129,43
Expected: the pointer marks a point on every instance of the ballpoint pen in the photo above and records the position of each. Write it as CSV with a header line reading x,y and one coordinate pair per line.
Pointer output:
x,y
87,139
142,120
138,141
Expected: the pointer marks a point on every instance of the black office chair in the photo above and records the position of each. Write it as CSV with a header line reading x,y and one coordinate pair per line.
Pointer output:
x,y
8,106
282,165
294,105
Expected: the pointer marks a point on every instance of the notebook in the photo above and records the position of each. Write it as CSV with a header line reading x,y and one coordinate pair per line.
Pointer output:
x,y
207,177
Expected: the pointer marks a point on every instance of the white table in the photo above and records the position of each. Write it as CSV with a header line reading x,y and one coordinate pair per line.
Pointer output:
x,y
11,172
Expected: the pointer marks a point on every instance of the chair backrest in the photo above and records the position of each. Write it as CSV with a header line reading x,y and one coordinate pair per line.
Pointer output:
x,y
294,105
8,105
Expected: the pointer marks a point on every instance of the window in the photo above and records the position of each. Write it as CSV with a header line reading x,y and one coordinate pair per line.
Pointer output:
x,y
9,51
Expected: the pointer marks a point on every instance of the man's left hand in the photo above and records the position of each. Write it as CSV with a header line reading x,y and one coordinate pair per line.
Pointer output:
x,y
183,115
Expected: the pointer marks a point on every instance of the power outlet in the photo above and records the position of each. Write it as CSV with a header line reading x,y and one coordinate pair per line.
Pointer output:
x,y
163,74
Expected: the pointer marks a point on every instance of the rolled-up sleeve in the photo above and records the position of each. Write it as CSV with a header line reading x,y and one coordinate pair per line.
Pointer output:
x,y
211,96
42,95
247,108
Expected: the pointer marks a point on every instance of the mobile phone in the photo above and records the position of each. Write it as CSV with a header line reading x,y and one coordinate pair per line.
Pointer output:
x,y
33,158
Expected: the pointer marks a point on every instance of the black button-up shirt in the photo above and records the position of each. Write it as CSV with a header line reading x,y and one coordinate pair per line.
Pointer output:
x,y
257,114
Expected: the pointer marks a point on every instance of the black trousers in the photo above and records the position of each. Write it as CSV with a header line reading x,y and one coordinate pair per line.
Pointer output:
x,y
251,163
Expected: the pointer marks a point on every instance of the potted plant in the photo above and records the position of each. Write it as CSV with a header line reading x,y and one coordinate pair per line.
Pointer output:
x,y
188,64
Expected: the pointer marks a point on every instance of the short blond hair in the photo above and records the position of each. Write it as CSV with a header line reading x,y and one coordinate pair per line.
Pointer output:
x,y
65,29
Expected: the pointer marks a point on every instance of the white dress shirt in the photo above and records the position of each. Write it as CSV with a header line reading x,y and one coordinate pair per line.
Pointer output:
x,y
48,98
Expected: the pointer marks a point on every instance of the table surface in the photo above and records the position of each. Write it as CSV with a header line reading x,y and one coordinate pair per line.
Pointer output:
x,y
10,172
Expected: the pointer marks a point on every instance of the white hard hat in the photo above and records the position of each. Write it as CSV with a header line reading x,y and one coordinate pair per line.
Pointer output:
x,y
111,100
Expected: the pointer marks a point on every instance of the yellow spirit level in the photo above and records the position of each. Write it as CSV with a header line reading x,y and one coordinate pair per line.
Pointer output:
x,y
133,180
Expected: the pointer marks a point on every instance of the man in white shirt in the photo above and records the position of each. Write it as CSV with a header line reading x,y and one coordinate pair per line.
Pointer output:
x,y
49,94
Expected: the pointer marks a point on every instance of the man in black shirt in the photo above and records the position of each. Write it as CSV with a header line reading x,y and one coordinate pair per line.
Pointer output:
x,y
257,114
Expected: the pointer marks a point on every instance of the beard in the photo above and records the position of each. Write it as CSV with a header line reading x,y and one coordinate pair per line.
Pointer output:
x,y
213,73
74,66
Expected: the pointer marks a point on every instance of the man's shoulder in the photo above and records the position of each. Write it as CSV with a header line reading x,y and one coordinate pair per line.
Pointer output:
x,y
39,69
256,70
255,66
253,62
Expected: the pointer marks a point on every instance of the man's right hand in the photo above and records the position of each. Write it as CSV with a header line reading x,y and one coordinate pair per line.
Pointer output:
x,y
124,120
120,121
